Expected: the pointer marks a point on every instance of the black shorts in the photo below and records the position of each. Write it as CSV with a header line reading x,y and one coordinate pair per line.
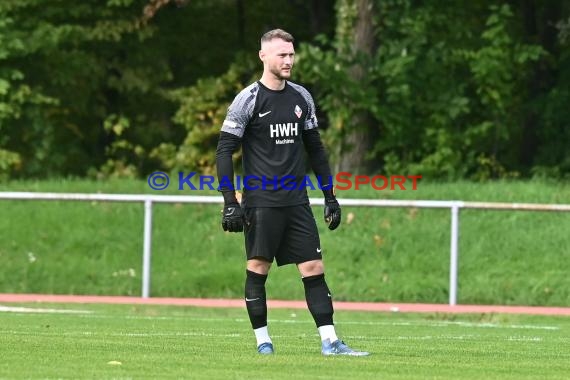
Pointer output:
x,y
287,234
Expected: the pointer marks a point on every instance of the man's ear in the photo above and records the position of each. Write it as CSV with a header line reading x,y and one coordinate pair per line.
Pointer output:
x,y
261,55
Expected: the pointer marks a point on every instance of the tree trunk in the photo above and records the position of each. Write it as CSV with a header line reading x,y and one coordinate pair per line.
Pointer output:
x,y
356,140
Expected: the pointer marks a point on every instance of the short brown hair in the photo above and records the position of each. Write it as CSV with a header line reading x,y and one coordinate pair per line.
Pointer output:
x,y
277,33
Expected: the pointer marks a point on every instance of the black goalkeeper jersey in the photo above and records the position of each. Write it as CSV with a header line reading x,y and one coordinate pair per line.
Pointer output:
x,y
270,124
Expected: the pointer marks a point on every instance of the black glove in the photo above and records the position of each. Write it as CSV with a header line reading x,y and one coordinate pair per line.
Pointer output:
x,y
232,217
332,210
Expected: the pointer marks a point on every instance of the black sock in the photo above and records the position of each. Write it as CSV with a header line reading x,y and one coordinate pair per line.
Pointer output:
x,y
319,299
255,300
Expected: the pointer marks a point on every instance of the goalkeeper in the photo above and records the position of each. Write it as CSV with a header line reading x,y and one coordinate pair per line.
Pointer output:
x,y
273,121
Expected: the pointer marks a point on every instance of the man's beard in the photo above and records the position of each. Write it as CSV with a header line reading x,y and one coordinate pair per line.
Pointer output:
x,y
278,75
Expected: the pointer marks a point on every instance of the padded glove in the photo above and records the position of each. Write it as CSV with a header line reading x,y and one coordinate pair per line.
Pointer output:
x,y
232,217
332,210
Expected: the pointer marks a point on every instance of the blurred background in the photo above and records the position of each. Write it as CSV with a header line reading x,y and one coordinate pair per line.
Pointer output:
x,y
101,89
473,96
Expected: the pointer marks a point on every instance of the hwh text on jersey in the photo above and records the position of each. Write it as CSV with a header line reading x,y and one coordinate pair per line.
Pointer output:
x,y
284,130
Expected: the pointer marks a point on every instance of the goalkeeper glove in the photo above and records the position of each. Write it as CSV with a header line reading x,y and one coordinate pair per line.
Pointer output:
x,y
232,214
332,209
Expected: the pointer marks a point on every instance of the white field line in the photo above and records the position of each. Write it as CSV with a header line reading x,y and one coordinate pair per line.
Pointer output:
x,y
309,321
90,314
449,337
524,338
495,325
14,309
121,334
462,324
428,324
236,335
365,323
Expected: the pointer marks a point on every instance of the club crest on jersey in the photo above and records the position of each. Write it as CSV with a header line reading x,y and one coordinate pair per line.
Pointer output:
x,y
298,111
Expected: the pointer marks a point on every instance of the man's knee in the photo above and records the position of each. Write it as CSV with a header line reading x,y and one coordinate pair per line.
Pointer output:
x,y
311,268
258,265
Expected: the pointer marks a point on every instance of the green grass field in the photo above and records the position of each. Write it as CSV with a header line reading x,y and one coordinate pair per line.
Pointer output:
x,y
382,254
158,342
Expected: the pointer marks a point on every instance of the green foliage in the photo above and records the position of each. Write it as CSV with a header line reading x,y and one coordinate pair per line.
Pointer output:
x,y
553,156
500,70
446,92
325,65
8,162
54,63
202,111
122,154
68,67
446,104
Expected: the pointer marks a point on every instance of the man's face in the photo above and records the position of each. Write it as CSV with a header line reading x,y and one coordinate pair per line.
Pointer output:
x,y
278,57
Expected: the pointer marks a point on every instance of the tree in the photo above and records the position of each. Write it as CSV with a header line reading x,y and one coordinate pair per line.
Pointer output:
x,y
124,87
443,90
92,87
355,27
61,71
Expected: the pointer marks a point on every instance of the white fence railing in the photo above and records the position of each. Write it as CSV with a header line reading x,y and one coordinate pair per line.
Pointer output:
x,y
148,201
